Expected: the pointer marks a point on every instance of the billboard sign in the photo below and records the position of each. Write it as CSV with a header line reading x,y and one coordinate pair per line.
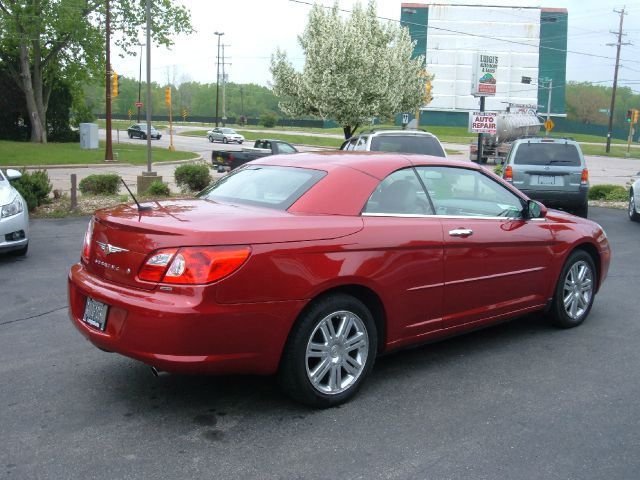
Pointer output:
x,y
523,109
483,122
484,75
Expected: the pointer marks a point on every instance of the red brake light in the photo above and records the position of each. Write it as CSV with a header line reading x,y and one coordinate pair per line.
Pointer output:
x,y
193,265
584,179
86,246
508,174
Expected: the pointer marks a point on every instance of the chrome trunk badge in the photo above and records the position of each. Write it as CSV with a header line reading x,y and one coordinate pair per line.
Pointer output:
x,y
108,249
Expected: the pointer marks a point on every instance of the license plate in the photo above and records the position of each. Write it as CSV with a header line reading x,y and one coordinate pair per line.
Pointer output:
x,y
95,314
546,180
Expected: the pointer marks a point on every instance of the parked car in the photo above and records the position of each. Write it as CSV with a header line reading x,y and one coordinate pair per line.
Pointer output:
x,y
551,170
311,265
140,130
14,216
400,141
634,200
224,135
229,160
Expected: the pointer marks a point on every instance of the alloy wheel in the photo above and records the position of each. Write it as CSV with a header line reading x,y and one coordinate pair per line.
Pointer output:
x,y
578,289
336,352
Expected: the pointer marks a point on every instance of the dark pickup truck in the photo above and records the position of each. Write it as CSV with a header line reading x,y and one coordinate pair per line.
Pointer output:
x,y
230,159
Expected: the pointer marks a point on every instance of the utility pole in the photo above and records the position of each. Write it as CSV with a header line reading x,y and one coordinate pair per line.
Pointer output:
x,y
242,103
148,14
108,152
618,44
550,87
140,81
219,34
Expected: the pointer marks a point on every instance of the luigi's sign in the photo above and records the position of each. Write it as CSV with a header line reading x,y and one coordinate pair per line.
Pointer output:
x,y
484,75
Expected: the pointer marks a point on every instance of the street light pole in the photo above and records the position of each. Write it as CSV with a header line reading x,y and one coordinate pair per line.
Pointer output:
x,y
148,13
549,105
219,34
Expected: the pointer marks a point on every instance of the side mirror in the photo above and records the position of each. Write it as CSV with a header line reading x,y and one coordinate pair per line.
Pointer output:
x,y
535,210
13,174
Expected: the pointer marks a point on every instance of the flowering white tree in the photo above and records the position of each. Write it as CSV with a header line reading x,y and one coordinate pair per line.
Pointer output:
x,y
355,69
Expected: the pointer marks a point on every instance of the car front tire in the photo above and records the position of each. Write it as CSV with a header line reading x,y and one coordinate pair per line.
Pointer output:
x,y
575,290
130,135
634,216
582,211
330,352
210,138
143,136
224,140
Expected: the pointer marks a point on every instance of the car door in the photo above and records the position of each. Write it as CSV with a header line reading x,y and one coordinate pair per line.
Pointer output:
x,y
495,261
405,245
216,134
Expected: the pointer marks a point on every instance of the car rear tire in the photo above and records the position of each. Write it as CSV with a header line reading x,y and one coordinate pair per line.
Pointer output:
x,y
582,211
575,291
224,140
143,136
130,135
330,352
634,216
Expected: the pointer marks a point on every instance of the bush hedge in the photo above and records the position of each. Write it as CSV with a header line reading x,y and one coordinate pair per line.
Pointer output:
x,y
159,189
268,120
608,192
100,184
34,187
193,177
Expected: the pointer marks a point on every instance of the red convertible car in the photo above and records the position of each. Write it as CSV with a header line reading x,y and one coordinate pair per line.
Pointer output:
x,y
309,266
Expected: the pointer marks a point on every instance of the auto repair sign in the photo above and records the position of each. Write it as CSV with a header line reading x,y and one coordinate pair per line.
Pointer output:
x,y
484,76
483,122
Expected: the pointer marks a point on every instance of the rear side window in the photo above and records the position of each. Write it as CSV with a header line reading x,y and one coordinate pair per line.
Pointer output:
x,y
557,154
266,186
284,148
423,144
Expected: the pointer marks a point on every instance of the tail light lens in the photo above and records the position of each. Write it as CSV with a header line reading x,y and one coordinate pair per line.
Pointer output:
x,y
508,174
86,246
584,179
193,265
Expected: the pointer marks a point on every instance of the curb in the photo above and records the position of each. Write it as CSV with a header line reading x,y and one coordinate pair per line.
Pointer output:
x,y
102,165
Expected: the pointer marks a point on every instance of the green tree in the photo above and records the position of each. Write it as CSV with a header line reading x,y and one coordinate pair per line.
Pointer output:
x,y
45,39
355,69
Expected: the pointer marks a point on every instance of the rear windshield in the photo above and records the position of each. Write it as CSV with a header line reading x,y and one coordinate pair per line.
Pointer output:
x,y
547,154
423,145
266,186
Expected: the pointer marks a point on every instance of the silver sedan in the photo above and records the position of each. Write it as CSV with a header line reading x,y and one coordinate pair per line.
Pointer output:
x,y
634,200
224,135
14,216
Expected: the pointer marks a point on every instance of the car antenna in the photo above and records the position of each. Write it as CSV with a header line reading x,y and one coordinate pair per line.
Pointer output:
x,y
141,208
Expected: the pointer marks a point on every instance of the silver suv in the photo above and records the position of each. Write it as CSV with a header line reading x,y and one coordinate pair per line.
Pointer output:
x,y
551,170
400,141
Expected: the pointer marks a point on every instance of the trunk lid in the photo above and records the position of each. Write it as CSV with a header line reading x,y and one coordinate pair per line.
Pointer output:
x,y
123,237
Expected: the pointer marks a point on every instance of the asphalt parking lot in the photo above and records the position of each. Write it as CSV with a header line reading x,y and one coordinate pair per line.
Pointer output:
x,y
521,400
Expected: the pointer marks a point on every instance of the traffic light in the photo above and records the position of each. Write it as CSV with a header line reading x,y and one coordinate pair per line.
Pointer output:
x,y
634,120
629,115
115,84
167,95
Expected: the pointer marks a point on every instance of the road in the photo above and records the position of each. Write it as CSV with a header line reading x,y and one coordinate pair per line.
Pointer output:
x,y
601,169
517,401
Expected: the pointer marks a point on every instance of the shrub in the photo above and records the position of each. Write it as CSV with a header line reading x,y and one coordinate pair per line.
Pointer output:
x,y
100,184
193,177
608,192
268,120
34,187
159,189
498,170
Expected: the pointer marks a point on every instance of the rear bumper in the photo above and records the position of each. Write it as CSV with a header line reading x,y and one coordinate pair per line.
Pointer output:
x,y
185,330
559,198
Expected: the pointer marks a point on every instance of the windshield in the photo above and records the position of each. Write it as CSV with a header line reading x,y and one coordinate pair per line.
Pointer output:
x,y
422,144
267,186
547,154
227,130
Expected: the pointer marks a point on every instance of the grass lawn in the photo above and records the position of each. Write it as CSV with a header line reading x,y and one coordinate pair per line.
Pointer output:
x,y
25,154
615,151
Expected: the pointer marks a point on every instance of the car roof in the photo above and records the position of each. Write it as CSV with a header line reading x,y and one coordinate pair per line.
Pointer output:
x,y
396,132
547,140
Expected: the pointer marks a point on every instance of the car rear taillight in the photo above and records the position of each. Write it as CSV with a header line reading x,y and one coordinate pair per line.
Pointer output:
x,y
584,179
86,246
193,265
508,174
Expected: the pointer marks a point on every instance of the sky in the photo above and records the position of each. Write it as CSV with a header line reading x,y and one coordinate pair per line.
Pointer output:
x,y
254,29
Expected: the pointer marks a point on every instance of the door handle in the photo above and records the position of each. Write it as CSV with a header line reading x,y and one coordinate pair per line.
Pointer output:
x,y
461,232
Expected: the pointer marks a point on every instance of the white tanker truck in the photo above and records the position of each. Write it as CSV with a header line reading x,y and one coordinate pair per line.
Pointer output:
x,y
509,127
